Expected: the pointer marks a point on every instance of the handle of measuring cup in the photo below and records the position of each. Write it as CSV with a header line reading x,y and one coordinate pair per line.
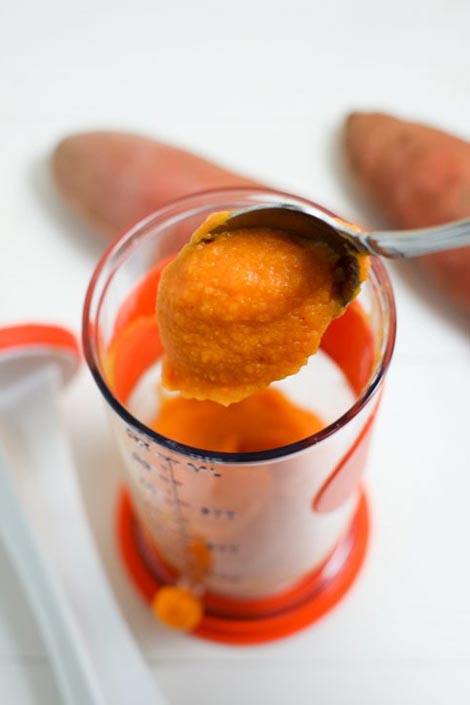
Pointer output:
x,y
345,479
46,599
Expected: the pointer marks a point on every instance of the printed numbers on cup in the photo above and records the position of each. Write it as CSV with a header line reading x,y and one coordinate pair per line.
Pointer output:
x,y
138,439
202,469
218,513
143,463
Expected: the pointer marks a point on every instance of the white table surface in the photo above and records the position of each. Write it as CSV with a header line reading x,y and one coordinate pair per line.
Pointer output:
x,y
263,88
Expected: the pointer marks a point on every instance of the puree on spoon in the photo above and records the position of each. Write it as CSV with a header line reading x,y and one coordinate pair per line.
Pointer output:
x,y
241,309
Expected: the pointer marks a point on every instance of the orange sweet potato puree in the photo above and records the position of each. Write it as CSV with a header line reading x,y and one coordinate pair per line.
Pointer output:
x,y
243,309
265,420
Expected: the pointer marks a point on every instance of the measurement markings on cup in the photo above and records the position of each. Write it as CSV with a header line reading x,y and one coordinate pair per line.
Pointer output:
x,y
202,469
138,439
217,513
165,488
166,465
143,463
181,502
173,481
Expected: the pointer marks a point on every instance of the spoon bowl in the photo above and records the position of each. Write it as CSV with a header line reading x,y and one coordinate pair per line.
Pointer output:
x,y
308,226
346,239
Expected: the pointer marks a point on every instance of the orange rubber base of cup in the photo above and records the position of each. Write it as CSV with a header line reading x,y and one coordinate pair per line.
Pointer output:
x,y
319,601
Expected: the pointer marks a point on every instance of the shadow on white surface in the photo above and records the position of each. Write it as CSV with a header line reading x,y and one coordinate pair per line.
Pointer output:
x,y
422,286
362,209
309,682
63,220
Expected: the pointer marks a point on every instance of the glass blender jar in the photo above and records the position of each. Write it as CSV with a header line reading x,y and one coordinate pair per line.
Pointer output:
x,y
267,540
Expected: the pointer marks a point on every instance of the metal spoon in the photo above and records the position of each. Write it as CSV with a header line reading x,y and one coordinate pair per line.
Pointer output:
x,y
347,239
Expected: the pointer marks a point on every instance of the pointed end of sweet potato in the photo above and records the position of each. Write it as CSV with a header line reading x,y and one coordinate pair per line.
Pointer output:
x,y
102,175
367,137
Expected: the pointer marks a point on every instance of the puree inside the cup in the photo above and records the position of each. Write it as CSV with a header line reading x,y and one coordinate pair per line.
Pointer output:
x,y
244,308
265,420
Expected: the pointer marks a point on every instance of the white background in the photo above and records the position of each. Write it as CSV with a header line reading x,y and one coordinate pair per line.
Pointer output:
x,y
263,88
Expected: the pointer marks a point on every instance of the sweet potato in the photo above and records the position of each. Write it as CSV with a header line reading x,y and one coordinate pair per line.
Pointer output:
x,y
114,179
420,177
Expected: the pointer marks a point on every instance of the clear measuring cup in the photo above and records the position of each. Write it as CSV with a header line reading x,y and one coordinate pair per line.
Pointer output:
x,y
259,535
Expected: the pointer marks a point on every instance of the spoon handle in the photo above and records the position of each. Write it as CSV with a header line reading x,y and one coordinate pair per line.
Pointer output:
x,y
413,243
47,600
111,666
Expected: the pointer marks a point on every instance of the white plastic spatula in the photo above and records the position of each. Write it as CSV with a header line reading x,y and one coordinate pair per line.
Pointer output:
x,y
44,528
71,663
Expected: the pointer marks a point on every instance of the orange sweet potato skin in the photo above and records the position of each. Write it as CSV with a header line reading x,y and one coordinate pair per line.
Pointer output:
x,y
114,179
420,177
